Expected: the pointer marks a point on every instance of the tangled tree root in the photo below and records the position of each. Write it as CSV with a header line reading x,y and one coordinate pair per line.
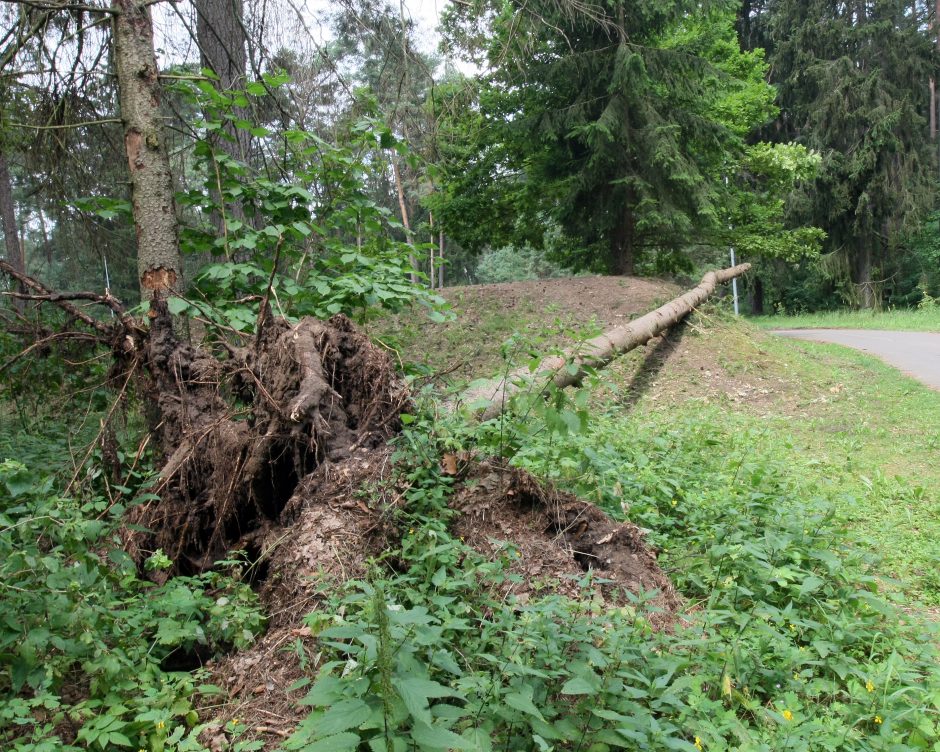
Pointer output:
x,y
240,434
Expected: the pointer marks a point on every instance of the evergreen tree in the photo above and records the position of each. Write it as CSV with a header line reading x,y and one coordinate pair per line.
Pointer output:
x,y
622,119
852,81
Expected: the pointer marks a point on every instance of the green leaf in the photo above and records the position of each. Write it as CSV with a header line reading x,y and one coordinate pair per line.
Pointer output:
x,y
176,305
578,686
344,715
416,692
522,700
436,737
345,742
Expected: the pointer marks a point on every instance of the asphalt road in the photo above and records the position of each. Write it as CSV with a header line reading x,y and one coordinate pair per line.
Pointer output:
x,y
915,353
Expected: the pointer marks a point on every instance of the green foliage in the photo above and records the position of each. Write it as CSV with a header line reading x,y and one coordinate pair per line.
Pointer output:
x,y
792,645
312,243
640,114
510,264
82,638
851,87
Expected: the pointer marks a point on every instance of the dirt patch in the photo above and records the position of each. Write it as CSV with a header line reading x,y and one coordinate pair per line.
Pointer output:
x,y
557,539
608,300
545,314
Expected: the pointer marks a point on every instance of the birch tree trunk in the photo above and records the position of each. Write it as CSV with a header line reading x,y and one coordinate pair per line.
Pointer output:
x,y
568,369
159,265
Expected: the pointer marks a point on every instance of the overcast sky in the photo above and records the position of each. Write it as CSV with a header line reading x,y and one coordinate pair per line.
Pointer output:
x,y
284,25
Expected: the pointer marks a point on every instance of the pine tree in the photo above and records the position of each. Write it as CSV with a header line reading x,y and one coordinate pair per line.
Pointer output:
x,y
623,117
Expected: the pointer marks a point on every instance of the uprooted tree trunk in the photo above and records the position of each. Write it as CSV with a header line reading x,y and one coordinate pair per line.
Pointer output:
x,y
239,435
236,432
159,263
570,367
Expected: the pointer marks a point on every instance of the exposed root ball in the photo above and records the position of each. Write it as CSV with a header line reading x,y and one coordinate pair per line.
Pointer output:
x,y
558,538
239,436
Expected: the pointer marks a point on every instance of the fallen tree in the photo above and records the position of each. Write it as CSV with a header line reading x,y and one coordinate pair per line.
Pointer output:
x,y
569,368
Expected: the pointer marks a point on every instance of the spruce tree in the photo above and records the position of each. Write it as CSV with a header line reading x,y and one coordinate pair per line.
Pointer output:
x,y
852,81
622,117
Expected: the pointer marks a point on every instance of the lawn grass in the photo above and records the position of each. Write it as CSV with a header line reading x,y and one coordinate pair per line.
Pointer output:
x,y
915,320
851,426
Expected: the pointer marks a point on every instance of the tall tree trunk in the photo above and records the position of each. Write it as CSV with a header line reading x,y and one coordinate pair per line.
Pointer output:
x,y
220,32
222,40
404,220
11,238
440,263
621,244
863,281
757,296
159,265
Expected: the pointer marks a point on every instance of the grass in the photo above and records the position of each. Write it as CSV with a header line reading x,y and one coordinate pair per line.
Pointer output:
x,y
843,421
915,320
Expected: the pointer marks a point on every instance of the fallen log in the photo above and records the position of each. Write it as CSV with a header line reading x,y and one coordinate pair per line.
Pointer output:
x,y
569,368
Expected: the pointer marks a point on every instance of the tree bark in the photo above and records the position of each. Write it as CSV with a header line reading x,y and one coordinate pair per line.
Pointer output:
x,y
599,351
862,280
11,238
757,297
621,244
404,221
440,263
159,265
220,32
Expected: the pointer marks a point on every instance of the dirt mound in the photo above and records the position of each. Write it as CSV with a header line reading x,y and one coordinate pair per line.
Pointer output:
x,y
343,514
609,300
558,538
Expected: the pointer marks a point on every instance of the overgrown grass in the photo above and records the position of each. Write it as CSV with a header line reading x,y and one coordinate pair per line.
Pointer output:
x,y
926,319
787,644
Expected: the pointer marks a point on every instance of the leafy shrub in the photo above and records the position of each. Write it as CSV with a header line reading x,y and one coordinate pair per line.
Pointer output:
x,y
313,243
512,264
788,643
82,638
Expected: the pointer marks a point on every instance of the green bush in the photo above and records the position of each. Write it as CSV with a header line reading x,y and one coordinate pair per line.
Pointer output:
x,y
82,638
512,264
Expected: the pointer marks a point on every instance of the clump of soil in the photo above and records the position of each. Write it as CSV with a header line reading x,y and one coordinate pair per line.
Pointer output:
x,y
558,538
343,516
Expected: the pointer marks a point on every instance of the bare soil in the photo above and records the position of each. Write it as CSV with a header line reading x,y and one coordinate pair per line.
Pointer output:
x,y
345,514
608,300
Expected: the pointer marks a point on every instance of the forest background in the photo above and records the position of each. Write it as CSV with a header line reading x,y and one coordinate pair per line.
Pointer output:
x,y
530,141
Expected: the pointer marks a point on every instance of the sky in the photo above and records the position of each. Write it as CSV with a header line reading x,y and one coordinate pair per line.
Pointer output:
x,y
294,23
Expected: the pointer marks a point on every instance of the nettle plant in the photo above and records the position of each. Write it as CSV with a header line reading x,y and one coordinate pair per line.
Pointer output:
x,y
86,646
311,243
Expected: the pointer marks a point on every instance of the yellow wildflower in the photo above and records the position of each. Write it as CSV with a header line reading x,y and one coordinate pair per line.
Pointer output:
x,y
869,686
788,715
161,725
235,721
698,743
793,627
878,719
